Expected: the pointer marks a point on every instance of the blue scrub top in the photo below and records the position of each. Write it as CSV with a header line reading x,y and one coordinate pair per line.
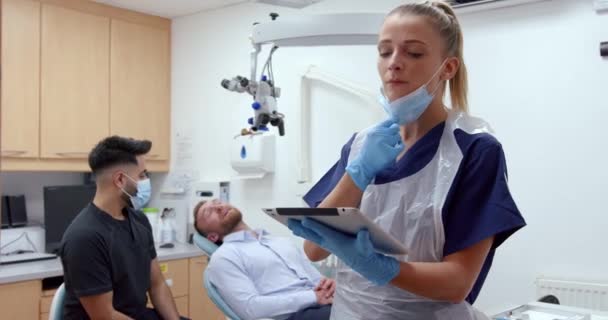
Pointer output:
x,y
478,205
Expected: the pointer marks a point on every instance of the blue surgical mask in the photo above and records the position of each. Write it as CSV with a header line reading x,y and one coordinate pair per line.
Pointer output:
x,y
410,107
144,192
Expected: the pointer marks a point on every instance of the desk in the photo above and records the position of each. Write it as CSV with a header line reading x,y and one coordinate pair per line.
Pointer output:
x,y
23,297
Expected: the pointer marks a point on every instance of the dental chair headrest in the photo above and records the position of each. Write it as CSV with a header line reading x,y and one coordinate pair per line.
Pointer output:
x,y
204,244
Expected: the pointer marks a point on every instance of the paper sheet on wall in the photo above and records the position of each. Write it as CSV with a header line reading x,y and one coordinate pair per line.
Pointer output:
x,y
184,146
183,174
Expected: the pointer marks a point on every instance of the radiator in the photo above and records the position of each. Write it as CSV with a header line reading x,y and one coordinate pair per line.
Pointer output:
x,y
573,293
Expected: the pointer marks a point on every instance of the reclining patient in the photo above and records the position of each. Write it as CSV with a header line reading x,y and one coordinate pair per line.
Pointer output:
x,y
258,275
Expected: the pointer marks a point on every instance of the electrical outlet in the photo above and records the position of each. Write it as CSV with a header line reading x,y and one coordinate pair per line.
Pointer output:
x,y
600,5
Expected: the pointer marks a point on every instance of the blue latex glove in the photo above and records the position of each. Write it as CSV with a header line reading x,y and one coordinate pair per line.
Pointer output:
x,y
356,252
380,149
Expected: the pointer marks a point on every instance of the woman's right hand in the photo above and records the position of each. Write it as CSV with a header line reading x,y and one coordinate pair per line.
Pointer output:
x,y
381,147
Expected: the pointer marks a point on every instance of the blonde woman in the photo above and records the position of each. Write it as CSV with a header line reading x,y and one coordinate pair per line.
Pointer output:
x,y
433,177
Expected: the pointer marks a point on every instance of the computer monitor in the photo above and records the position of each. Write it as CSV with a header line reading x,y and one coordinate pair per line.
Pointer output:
x,y
61,205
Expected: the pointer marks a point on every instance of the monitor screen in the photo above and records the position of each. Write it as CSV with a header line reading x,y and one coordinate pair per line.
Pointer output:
x,y
61,205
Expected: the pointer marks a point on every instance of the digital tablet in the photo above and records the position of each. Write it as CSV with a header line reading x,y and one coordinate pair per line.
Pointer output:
x,y
347,220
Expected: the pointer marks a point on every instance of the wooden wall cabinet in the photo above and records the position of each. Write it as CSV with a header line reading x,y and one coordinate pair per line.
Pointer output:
x,y
139,94
75,72
74,101
20,92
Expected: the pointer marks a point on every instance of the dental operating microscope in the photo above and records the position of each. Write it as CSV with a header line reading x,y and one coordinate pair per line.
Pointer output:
x,y
263,91
311,30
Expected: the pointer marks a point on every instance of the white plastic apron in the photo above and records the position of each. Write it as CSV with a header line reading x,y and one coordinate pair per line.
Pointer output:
x,y
411,210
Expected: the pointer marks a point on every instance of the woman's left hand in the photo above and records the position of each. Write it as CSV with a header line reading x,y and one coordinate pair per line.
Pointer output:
x,y
356,252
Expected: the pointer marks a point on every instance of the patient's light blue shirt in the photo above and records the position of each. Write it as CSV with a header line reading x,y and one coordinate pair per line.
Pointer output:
x,y
263,276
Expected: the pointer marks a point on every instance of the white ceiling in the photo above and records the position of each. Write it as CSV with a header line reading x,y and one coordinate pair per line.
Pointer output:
x,y
169,8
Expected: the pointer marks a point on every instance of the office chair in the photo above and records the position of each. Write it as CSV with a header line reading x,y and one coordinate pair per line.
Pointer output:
x,y
56,312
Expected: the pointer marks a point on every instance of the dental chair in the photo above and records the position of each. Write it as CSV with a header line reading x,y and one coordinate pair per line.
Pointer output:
x,y
209,248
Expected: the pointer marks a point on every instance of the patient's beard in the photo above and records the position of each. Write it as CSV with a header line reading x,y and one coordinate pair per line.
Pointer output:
x,y
232,220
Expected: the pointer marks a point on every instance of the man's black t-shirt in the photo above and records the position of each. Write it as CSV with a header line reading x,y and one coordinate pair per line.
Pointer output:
x,y
101,254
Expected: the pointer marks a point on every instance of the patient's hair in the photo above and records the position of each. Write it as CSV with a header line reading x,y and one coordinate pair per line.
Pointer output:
x,y
196,209
201,232
117,150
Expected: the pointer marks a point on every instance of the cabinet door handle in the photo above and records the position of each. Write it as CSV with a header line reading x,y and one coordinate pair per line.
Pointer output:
x,y
8,153
72,154
152,156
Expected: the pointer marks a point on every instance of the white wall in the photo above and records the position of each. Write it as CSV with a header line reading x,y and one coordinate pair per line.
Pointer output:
x,y
535,74
202,57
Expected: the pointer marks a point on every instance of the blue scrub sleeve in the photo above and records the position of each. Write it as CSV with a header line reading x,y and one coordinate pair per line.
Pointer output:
x,y
331,178
481,205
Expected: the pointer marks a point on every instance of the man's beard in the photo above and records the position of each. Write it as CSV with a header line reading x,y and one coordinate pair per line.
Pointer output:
x,y
232,220
127,201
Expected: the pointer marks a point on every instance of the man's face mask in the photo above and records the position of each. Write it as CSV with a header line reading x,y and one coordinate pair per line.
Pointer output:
x,y
142,194
410,107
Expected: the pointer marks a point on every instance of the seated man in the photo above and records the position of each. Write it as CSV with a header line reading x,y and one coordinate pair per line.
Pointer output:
x,y
258,275
107,252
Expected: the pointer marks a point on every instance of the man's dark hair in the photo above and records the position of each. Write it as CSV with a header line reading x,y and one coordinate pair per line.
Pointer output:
x,y
117,150
201,232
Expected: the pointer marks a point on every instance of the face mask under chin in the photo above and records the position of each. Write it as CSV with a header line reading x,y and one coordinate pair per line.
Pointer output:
x,y
408,108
